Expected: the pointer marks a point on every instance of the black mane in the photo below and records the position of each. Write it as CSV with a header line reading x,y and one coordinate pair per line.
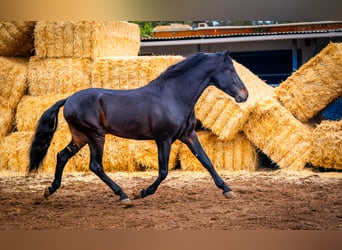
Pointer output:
x,y
182,66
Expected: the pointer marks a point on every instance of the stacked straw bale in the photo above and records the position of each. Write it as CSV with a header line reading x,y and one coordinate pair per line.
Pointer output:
x,y
221,114
31,108
314,85
145,154
14,154
327,146
233,155
14,151
86,39
54,76
13,84
16,38
129,72
274,130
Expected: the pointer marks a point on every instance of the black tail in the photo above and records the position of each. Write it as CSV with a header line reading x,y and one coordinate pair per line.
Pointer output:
x,y
46,128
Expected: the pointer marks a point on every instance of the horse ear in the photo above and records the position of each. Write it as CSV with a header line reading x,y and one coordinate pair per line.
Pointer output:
x,y
225,54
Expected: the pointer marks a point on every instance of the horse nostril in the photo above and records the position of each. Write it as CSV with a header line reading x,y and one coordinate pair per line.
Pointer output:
x,y
243,95
244,92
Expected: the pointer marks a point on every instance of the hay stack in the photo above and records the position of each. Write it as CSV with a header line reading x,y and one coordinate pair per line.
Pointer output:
x,y
233,155
221,114
116,39
274,130
14,154
327,145
314,85
16,38
129,72
145,154
13,84
51,76
31,108
86,39
14,151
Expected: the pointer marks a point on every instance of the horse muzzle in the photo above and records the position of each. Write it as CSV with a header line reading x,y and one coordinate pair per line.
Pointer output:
x,y
242,96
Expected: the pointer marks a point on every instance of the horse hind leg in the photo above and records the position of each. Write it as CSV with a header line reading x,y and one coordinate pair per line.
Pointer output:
x,y
62,159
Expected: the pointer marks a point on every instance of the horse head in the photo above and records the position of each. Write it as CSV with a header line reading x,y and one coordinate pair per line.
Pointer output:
x,y
226,78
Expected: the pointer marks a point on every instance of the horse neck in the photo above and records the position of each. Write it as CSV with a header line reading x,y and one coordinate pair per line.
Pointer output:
x,y
189,88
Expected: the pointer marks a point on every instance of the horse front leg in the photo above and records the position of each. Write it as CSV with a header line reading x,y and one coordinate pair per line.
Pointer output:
x,y
191,140
96,154
164,148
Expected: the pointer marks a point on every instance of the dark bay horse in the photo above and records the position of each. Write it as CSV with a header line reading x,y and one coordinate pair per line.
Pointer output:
x,y
162,110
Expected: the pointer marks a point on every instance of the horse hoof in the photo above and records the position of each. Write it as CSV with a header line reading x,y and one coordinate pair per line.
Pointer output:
x,y
126,202
137,194
46,193
230,195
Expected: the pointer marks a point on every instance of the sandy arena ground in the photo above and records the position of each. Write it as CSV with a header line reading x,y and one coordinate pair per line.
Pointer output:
x,y
185,201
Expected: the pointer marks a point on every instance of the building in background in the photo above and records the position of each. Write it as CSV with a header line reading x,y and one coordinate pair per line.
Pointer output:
x,y
270,51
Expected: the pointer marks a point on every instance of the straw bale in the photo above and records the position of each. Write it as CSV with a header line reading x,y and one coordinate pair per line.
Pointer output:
x,y
145,154
16,38
327,145
116,39
233,155
14,154
129,72
31,108
221,114
14,150
52,76
275,131
13,84
116,155
86,39
314,85
6,121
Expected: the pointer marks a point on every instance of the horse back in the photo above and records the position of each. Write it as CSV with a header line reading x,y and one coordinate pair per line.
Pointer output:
x,y
135,114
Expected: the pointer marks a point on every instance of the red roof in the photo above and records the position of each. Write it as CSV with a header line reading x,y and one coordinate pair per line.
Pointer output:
x,y
224,31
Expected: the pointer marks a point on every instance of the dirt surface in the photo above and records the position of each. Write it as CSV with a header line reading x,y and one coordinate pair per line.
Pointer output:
x,y
184,201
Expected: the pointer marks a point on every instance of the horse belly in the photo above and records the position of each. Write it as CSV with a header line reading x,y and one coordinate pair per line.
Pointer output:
x,y
128,124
